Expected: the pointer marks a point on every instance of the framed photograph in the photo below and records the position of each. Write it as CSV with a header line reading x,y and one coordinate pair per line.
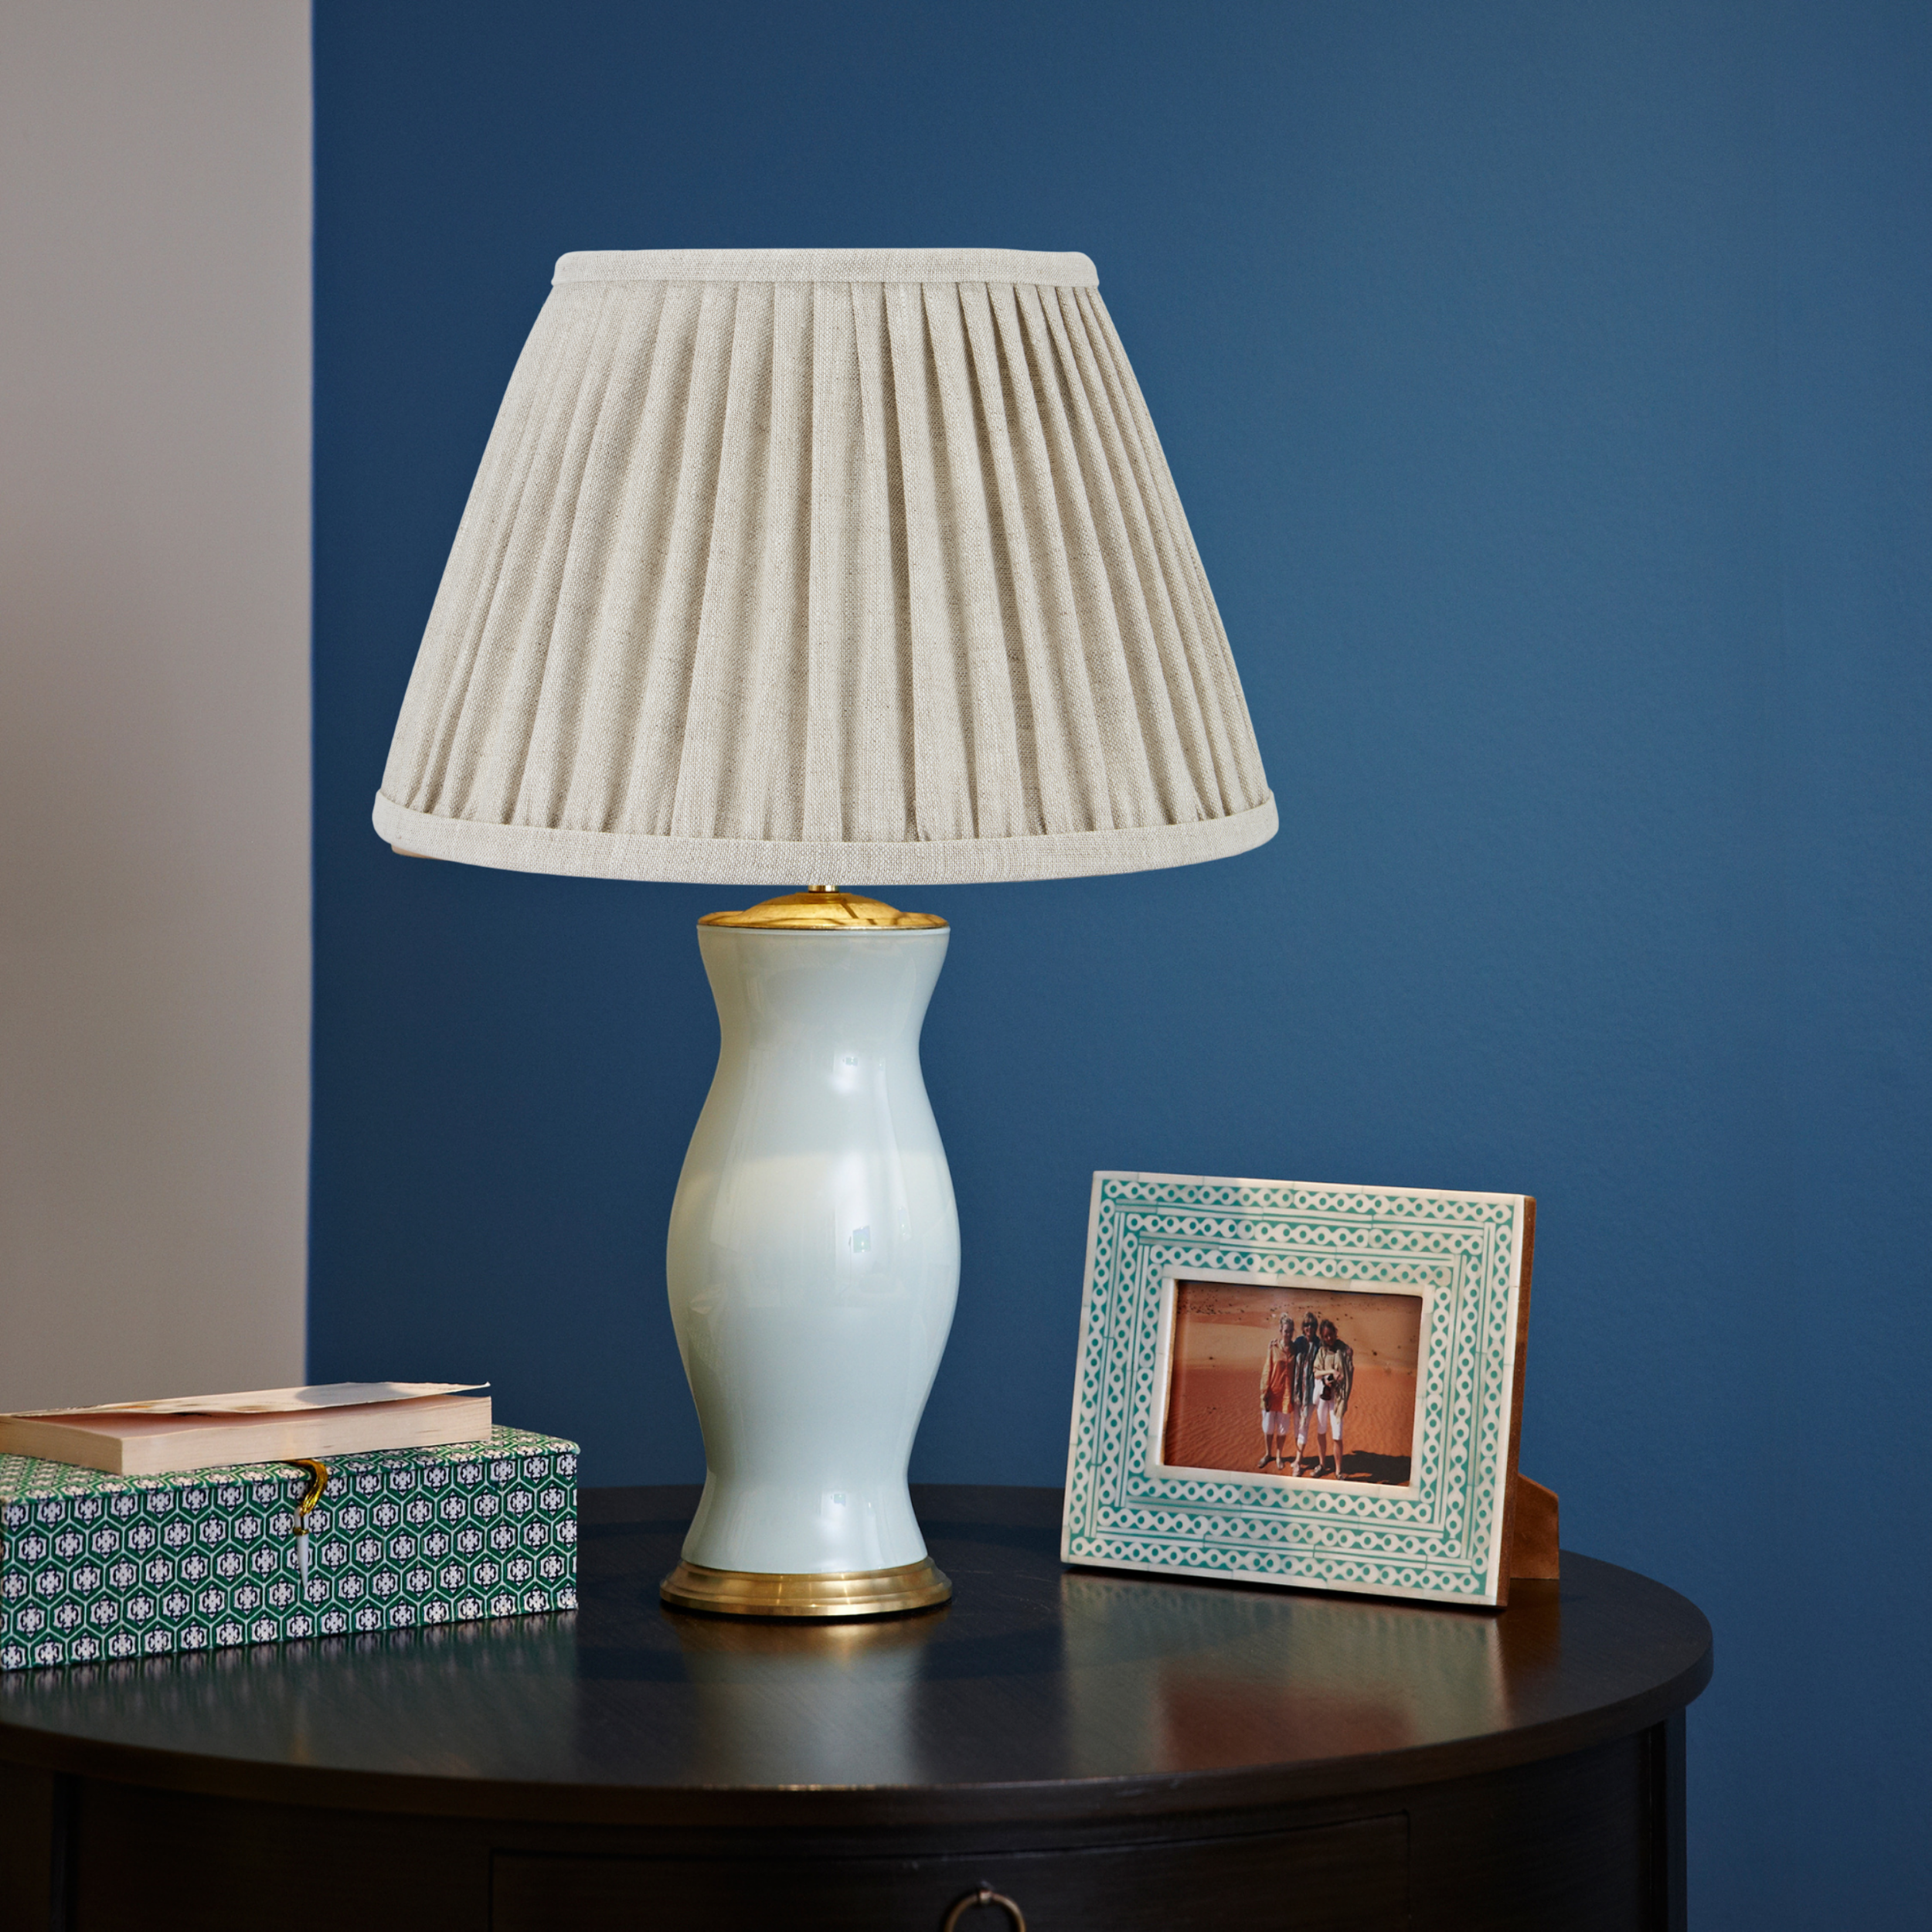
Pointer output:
x,y
1315,1386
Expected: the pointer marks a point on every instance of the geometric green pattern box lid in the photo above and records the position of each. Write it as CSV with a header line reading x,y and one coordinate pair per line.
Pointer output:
x,y
94,1565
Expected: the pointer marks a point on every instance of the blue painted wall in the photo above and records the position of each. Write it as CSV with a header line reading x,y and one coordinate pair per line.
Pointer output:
x,y
1550,386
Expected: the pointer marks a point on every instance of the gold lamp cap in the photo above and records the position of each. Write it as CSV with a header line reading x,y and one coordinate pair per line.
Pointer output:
x,y
822,910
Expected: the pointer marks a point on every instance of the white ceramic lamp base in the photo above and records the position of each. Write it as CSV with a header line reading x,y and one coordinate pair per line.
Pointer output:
x,y
813,1262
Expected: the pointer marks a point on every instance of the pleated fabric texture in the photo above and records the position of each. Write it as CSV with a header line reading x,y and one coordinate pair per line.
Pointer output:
x,y
840,566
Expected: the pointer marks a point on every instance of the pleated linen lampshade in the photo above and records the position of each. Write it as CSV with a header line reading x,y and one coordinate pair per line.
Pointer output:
x,y
818,566
852,564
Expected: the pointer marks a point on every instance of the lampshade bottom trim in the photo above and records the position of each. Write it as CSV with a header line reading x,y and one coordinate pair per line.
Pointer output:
x,y
776,861
852,1593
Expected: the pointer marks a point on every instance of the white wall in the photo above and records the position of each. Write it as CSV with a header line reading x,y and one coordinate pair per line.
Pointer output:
x,y
155,195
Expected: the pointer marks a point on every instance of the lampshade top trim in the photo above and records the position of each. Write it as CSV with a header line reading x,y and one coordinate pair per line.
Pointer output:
x,y
1009,266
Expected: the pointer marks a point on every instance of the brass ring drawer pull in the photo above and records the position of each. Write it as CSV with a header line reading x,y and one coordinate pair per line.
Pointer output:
x,y
985,1896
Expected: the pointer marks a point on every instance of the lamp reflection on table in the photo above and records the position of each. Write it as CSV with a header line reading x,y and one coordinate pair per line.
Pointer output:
x,y
784,1702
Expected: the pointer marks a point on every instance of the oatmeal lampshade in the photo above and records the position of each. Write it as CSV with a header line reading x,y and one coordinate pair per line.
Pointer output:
x,y
860,565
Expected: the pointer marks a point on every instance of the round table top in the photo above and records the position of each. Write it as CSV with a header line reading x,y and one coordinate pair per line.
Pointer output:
x,y
1039,1692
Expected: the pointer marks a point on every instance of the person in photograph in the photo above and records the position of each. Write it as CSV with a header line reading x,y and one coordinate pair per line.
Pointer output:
x,y
1331,1377
1277,1380
1301,1394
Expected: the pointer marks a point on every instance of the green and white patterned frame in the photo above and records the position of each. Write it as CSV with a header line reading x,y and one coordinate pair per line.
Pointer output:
x,y
1440,1539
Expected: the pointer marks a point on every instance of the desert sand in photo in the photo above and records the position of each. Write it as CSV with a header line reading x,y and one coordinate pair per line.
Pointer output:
x,y
1221,1334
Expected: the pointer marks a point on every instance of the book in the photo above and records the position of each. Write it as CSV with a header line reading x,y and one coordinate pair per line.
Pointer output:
x,y
158,1437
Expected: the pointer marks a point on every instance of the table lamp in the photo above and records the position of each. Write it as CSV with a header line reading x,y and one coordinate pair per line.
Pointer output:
x,y
820,568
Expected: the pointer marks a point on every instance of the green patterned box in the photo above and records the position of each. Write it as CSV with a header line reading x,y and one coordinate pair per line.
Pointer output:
x,y
94,1565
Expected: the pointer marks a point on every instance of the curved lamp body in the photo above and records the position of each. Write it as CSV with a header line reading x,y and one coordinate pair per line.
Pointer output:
x,y
813,1260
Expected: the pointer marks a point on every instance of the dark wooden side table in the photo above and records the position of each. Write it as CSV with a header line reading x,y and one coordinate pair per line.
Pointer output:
x,y
1106,1751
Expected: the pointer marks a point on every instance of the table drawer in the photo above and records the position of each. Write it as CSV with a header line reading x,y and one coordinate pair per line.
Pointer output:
x,y
1352,1877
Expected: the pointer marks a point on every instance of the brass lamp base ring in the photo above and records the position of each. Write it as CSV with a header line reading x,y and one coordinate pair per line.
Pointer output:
x,y
761,1593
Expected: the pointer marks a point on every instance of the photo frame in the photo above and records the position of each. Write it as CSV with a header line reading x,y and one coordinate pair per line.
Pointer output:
x,y
1419,1300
